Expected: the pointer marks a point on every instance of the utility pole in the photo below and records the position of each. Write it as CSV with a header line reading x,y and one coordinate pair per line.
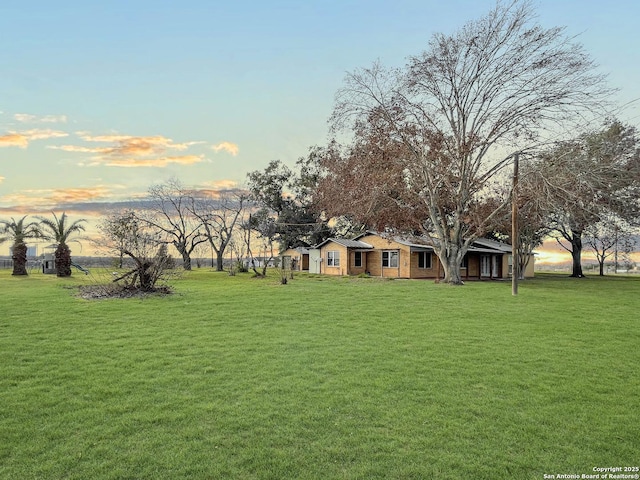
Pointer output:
x,y
515,273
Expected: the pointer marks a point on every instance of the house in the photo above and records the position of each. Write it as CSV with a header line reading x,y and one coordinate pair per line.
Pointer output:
x,y
410,257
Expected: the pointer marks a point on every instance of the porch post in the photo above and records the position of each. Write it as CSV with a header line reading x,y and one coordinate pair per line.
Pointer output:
x,y
514,227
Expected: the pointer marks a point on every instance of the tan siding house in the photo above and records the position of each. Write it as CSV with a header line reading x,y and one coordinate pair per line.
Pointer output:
x,y
398,257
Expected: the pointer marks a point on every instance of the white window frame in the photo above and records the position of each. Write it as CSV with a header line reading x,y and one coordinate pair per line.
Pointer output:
x,y
390,256
333,258
427,264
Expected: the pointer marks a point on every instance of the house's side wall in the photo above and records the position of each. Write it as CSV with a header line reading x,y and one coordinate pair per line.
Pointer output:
x,y
506,260
374,263
374,258
353,270
529,271
417,272
407,261
342,269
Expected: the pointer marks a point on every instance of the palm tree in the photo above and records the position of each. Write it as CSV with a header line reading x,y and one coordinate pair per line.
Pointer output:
x,y
18,232
59,230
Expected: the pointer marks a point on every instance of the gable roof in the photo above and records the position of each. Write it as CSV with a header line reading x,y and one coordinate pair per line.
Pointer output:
x,y
346,243
491,246
414,242
301,250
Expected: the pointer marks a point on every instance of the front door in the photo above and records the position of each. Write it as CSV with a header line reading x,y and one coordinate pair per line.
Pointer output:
x,y
485,265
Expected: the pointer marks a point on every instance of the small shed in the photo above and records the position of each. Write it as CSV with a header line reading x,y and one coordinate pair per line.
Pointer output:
x,y
49,259
296,258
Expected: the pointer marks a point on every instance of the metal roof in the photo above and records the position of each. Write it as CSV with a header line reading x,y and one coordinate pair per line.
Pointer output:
x,y
416,243
346,243
493,244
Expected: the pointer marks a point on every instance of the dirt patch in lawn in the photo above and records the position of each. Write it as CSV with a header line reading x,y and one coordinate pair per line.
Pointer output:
x,y
98,292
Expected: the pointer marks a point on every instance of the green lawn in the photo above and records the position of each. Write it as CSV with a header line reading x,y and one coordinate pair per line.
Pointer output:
x,y
323,378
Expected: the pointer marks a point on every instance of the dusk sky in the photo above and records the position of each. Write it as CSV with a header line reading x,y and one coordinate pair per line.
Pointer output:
x,y
100,100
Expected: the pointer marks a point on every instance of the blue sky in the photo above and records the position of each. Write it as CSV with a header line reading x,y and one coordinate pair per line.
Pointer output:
x,y
100,100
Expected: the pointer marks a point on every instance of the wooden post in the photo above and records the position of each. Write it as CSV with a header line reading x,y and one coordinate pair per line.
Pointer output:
x,y
615,264
514,228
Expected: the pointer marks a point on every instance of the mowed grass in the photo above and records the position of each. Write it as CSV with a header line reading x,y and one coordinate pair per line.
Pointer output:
x,y
323,378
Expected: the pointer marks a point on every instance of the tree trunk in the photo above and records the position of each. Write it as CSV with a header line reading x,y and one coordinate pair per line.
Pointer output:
x,y
145,277
219,261
523,262
186,260
19,259
601,265
451,261
63,260
576,254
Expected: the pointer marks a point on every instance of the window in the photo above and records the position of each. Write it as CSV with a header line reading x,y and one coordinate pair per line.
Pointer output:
x,y
357,259
333,258
390,258
424,259
465,262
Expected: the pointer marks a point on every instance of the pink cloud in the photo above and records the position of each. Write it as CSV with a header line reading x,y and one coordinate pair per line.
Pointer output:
x,y
220,184
14,140
23,138
159,162
132,152
51,197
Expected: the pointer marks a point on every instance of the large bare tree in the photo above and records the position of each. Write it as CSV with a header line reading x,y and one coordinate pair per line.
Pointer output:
x,y
219,215
457,113
167,210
